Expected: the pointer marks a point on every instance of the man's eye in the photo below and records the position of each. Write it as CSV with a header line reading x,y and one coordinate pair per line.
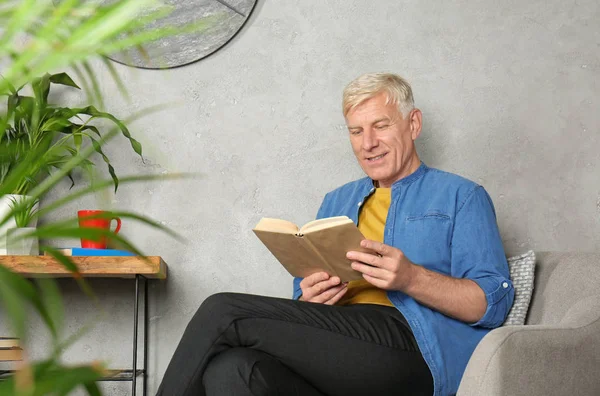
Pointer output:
x,y
355,132
383,126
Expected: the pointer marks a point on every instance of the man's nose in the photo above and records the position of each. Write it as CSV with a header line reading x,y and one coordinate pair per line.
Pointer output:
x,y
369,140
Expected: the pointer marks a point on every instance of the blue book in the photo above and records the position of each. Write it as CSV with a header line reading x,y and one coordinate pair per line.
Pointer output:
x,y
94,252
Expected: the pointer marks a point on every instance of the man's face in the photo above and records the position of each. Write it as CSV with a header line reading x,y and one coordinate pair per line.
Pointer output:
x,y
383,141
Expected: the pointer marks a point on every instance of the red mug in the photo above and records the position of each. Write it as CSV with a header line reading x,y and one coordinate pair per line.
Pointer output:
x,y
96,219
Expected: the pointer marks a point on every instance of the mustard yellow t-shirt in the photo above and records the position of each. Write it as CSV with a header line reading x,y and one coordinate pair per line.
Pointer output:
x,y
371,222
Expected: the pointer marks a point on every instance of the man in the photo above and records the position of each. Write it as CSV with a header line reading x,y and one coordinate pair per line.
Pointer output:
x,y
435,283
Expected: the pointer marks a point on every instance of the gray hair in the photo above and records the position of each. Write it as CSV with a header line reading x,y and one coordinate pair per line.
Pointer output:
x,y
368,85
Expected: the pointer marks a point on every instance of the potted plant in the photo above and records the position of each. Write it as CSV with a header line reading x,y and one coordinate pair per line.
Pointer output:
x,y
54,134
9,207
21,239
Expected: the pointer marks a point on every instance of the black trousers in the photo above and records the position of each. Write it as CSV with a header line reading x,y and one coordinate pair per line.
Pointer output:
x,y
239,344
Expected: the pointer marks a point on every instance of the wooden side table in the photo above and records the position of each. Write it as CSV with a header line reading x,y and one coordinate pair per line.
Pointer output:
x,y
131,267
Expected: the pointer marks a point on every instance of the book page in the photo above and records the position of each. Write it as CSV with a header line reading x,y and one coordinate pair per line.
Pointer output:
x,y
276,225
293,252
333,244
327,222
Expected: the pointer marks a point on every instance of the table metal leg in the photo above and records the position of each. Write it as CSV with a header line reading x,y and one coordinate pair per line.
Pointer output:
x,y
146,322
135,333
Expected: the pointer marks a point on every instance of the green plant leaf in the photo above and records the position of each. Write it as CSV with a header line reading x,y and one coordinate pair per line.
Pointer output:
x,y
63,380
13,101
63,79
42,187
19,173
23,210
116,78
77,139
95,85
12,291
68,263
149,222
86,86
15,291
111,170
92,389
152,35
92,111
56,380
80,128
10,87
56,124
102,184
41,89
53,24
74,162
116,15
51,298
19,17
64,260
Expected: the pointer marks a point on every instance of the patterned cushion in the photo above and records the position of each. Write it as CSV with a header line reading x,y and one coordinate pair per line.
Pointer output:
x,y
521,273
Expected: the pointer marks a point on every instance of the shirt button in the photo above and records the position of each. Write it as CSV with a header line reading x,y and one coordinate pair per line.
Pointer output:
x,y
505,285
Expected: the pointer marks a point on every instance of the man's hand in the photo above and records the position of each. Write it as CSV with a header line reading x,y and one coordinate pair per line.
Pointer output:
x,y
386,268
322,288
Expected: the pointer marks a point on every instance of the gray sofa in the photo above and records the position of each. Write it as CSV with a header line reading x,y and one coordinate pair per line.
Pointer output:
x,y
557,352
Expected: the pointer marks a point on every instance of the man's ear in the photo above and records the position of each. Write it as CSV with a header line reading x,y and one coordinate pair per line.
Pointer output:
x,y
416,123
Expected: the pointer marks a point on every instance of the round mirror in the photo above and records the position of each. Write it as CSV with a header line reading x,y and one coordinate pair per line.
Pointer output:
x,y
221,20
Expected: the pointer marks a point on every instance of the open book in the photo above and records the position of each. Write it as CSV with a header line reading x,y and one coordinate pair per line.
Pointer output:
x,y
319,245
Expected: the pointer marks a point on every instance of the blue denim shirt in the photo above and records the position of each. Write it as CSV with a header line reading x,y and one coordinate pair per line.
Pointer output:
x,y
447,224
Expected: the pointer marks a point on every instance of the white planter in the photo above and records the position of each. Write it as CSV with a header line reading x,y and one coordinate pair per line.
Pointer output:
x,y
5,208
19,244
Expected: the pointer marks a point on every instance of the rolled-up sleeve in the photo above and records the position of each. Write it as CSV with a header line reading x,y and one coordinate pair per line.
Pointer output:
x,y
478,254
297,292
499,293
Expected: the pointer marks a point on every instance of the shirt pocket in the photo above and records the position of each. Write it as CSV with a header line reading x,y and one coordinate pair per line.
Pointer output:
x,y
427,240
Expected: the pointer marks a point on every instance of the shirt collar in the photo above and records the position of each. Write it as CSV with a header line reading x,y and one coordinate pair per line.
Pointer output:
x,y
416,175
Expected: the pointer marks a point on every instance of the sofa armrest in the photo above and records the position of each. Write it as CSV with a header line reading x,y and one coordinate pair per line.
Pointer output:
x,y
539,360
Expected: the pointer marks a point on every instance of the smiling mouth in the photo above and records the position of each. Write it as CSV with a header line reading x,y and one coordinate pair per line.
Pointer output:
x,y
371,159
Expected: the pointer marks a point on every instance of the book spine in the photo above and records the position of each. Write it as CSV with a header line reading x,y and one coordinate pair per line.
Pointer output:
x,y
99,252
75,252
11,354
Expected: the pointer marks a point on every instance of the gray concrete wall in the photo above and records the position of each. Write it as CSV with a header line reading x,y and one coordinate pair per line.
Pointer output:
x,y
509,93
